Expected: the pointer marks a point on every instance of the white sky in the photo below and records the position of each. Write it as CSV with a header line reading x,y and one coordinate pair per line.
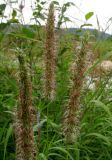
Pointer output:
x,y
101,8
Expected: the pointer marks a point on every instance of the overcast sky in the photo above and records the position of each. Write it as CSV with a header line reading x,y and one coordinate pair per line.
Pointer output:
x,y
101,8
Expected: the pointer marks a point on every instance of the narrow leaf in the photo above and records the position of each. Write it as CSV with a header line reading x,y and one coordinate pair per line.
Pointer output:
x,y
89,15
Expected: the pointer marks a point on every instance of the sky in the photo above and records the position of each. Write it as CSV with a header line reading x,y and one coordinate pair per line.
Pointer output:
x,y
101,8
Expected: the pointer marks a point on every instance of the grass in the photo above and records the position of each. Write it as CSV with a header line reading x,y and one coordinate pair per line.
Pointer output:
x,y
95,140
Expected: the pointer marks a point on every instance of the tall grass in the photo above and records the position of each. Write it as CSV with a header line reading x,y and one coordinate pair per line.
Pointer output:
x,y
89,133
72,112
25,147
50,56
94,141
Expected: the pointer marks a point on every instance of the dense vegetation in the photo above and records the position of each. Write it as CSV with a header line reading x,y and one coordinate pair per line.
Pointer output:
x,y
46,101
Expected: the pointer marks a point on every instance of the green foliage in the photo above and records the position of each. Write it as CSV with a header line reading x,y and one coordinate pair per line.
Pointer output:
x,y
96,121
14,14
2,8
28,32
89,15
56,3
62,18
95,140
38,11
86,25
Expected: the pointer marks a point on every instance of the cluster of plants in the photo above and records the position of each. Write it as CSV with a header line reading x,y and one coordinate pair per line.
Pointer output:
x,y
48,110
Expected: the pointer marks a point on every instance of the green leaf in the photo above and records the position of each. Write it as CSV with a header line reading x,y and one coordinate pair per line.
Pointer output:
x,y
66,19
41,16
56,155
13,21
101,137
2,8
42,156
86,25
100,104
60,149
39,8
14,14
43,2
64,8
1,36
2,131
89,15
3,26
56,3
28,32
79,30
9,132
68,4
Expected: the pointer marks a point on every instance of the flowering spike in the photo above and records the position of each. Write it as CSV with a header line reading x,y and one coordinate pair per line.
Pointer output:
x,y
71,124
50,56
25,148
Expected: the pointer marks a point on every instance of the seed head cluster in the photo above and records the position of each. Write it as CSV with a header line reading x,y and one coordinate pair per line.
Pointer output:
x,y
50,57
71,126
25,147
